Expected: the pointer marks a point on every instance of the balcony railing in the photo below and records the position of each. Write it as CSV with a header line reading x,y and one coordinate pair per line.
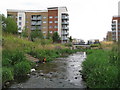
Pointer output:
x,y
113,23
114,31
36,23
65,17
65,38
65,33
65,22
36,18
113,28
34,28
65,27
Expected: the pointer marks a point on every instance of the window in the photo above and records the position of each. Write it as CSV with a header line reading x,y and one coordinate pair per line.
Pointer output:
x,y
55,21
56,16
44,21
20,18
50,16
50,26
19,23
50,22
50,31
55,26
44,17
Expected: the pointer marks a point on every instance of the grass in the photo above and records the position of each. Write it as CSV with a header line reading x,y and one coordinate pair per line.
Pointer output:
x,y
100,69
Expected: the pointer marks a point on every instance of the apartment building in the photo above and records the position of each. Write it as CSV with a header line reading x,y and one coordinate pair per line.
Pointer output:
x,y
109,36
116,28
53,19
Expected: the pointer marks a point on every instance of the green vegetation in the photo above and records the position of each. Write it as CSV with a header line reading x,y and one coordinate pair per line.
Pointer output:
x,y
22,68
95,45
36,34
15,48
7,74
56,37
9,25
101,70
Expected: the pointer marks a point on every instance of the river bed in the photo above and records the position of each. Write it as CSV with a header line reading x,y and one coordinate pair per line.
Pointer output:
x,y
59,73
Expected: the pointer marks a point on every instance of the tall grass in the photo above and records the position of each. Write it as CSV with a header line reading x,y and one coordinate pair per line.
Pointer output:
x,y
100,69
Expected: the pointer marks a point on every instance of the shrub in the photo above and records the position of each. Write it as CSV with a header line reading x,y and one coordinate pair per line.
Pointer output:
x,y
22,68
98,71
12,57
7,74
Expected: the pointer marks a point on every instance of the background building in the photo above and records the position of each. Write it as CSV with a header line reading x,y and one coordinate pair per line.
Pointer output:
x,y
54,19
109,36
78,41
93,41
116,28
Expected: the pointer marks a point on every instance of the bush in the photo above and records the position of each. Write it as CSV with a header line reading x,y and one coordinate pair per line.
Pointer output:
x,y
22,68
98,71
95,45
12,57
7,74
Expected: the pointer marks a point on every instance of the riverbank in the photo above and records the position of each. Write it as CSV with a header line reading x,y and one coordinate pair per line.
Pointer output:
x,y
14,62
101,69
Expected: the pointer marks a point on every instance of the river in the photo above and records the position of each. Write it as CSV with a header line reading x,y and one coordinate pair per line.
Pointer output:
x,y
59,73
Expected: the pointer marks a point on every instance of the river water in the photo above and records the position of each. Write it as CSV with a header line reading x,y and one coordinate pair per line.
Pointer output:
x,y
59,73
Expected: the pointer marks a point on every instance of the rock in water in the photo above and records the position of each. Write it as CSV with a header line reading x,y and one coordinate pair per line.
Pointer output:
x,y
32,70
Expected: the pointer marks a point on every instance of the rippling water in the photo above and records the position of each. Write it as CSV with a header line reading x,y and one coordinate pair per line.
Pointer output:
x,y
59,73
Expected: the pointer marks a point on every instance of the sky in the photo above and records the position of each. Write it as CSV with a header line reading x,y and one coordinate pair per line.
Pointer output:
x,y
88,19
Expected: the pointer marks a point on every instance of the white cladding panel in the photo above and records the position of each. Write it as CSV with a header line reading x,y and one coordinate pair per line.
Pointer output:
x,y
21,21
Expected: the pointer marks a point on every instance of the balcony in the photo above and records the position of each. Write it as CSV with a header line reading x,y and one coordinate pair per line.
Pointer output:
x,y
33,23
114,31
65,33
36,23
65,17
113,28
36,28
39,18
65,23
33,28
65,38
113,24
36,18
65,27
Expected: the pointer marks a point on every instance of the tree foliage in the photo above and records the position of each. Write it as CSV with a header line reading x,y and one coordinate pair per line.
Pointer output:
x,y
36,34
56,37
70,39
9,25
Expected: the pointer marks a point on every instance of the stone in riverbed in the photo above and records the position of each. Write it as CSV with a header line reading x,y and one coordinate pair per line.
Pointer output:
x,y
75,77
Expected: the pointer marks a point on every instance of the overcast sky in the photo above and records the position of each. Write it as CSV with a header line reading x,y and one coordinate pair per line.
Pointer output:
x,y
89,19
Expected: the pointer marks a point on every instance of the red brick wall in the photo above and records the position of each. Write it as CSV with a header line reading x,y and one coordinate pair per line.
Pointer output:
x,y
52,13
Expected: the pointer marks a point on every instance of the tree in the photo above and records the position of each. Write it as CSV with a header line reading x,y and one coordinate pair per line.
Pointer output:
x,y
9,25
3,22
25,32
56,37
70,39
48,35
36,34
